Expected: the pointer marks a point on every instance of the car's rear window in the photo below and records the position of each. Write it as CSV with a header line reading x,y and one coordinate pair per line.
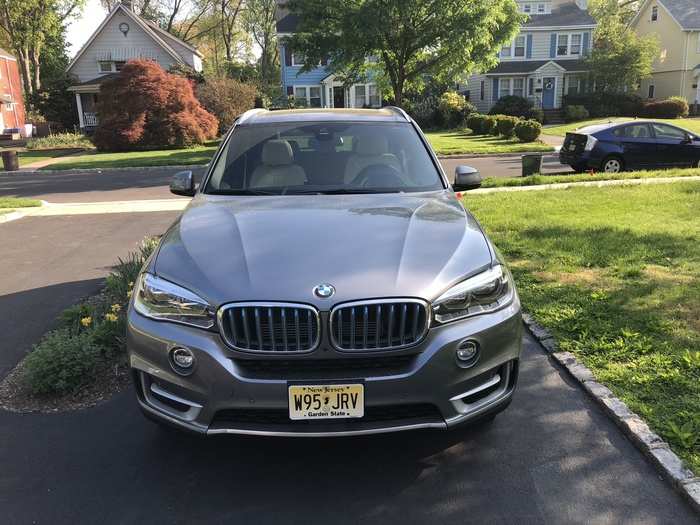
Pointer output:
x,y
324,157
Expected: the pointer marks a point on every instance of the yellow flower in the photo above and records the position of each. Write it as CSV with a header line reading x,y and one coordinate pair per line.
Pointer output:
x,y
128,294
86,321
111,318
131,284
116,307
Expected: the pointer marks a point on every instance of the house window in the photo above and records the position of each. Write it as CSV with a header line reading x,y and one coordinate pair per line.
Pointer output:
x,y
530,86
308,95
519,87
504,87
519,46
650,94
105,66
563,45
573,85
374,98
315,96
360,96
527,8
119,64
540,8
297,59
575,45
481,90
654,13
505,51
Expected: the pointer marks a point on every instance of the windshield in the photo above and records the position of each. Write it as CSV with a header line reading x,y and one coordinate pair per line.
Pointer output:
x,y
323,157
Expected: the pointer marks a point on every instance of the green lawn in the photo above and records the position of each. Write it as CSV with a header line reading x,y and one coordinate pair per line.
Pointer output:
x,y
614,273
8,204
691,124
165,157
536,180
28,157
462,141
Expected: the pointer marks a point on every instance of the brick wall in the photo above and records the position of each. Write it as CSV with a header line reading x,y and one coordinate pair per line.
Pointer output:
x,y
13,116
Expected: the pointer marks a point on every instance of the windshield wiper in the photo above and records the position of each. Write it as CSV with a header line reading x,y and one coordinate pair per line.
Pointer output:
x,y
243,192
344,191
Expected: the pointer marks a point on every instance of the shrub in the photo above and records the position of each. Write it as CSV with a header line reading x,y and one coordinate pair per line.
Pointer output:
x,y
512,105
673,107
61,140
528,130
488,125
535,114
475,122
451,109
424,111
226,98
146,107
574,112
601,104
61,362
506,125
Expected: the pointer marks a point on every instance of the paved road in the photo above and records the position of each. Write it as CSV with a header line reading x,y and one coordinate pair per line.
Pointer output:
x,y
553,457
122,185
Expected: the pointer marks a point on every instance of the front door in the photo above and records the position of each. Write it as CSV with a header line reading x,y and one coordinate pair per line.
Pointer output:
x,y
338,97
548,87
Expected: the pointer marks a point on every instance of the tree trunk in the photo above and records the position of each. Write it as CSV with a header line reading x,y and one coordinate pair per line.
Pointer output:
x,y
36,69
25,71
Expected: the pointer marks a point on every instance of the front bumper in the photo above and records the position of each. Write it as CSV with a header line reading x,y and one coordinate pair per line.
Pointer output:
x,y
234,393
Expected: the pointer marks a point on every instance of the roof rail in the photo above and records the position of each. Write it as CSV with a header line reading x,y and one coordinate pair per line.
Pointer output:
x,y
245,116
398,111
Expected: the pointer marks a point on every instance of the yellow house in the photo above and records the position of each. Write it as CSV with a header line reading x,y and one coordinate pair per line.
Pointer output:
x,y
676,71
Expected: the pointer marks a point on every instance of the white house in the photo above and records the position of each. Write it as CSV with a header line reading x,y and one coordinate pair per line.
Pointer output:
x,y
543,62
122,36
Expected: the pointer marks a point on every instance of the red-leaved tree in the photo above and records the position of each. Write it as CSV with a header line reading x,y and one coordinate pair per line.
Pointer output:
x,y
144,106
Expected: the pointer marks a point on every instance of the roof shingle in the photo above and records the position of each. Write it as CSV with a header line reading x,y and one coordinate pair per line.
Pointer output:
x,y
686,12
564,15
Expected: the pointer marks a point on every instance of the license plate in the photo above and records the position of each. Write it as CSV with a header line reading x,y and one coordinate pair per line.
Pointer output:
x,y
326,401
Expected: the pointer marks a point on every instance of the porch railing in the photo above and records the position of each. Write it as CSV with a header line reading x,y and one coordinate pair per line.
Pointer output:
x,y
90,119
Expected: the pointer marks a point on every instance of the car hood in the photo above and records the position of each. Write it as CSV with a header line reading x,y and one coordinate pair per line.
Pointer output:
x,y
278,248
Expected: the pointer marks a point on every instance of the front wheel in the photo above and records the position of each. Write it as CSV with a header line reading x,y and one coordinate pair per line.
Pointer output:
x,y
612,165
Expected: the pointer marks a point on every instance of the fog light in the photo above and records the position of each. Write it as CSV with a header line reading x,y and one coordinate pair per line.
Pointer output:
x,y
467,353
182,360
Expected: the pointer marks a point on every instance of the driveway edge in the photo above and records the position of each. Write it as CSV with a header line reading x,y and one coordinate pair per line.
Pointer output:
x,y
649,443
98,170
12,216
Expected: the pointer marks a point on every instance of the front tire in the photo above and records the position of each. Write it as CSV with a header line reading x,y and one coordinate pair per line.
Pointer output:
x,y
612,164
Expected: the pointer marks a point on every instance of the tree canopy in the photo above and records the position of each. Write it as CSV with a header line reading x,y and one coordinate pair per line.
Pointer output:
x,y
404,40
619,57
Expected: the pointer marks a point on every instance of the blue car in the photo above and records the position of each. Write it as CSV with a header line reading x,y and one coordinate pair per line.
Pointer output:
x,y
619,146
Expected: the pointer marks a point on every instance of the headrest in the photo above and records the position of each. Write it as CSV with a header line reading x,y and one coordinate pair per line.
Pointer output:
x,y
371,145
277,153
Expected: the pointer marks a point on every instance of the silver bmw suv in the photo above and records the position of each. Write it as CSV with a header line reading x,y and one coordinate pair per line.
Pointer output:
x,y
324,280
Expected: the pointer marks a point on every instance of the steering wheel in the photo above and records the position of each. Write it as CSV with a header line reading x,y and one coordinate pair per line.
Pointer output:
x,y
378,176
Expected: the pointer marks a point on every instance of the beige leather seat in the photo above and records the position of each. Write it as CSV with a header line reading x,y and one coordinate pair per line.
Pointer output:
x,y
369,150
277,168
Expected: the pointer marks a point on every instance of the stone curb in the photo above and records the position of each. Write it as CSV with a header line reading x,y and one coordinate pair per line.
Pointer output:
x,y
649,443
98,170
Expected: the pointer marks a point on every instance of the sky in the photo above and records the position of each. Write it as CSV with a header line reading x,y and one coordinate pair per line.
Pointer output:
x,y
81,29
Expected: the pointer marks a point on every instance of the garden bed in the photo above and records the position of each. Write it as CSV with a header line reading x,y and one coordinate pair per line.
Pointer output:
x,y
83,361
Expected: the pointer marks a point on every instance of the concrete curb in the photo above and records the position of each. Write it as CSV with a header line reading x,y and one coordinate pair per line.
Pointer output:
x,y
586,184
458,156
649,443
12,216
99,170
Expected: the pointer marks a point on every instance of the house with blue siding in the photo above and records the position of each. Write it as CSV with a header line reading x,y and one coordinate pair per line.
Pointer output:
x,y
544,61
317,87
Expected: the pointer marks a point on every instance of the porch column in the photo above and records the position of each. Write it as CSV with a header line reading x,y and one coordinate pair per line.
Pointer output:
x,y
79,103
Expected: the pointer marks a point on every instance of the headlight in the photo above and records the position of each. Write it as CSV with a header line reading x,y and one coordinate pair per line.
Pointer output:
x,y
164,301
485,292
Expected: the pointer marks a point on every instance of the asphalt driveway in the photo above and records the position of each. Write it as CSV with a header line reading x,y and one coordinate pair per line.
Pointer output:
x,y
552,457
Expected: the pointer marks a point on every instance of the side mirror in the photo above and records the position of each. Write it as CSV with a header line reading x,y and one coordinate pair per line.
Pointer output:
x,y
182,183
466,178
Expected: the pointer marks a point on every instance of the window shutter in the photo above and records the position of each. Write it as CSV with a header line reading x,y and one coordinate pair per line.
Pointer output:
x,y
287,55
290,91
494,95
528,52
586,43
324,62
553,45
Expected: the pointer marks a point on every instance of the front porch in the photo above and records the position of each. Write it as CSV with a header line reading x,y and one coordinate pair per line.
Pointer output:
x,y
86,99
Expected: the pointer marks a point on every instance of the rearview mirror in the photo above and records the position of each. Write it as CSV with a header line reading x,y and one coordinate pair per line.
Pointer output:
x,y
182,183
466,178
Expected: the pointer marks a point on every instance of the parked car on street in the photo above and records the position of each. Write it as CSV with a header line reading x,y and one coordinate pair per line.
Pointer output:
x,y
639,144
324,280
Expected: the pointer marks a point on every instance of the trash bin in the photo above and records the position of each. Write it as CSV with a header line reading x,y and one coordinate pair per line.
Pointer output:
x,y
10,160
532,164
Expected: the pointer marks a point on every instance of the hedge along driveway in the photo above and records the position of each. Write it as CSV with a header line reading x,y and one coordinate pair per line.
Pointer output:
x,y
614,274
691,124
